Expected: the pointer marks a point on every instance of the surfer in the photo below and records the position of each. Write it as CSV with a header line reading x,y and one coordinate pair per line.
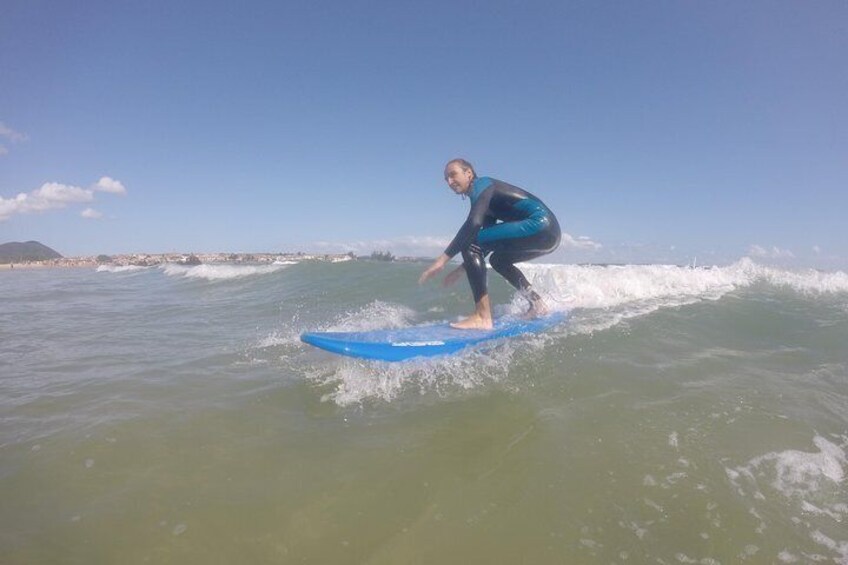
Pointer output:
x,y
506,221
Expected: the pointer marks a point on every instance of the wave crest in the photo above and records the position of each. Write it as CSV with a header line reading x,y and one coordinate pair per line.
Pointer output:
x,y
597,286
219,272
120,268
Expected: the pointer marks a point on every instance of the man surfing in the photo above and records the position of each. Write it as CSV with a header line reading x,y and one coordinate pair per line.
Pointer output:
x,y
506,221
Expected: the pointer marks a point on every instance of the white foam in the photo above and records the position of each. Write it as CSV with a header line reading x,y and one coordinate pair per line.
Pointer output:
x,y
213,272
376,315
605,296
796,472
120,268
634,527
809,482
805,282
836,512
786,557
279,337
838,547
800,472
597,286
355,381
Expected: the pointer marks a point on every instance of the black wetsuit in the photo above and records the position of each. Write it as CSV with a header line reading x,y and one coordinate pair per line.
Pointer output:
x,y
508,222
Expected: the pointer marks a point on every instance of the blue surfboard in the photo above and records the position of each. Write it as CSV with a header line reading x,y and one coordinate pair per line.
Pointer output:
x,y
424,341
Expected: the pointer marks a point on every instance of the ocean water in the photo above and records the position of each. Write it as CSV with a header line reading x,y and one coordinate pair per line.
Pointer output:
x,y
171,415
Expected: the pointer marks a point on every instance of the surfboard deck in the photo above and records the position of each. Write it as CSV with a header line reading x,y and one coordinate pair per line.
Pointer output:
x,y
424,341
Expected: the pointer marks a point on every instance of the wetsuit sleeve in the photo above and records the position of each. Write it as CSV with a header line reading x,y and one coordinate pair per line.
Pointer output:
x,y
475,221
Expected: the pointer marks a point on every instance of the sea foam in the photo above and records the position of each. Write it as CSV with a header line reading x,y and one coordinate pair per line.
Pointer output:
x,y
607,286
609,294
354,381
599,296
376,315
799,477
794,472
211,272
120,268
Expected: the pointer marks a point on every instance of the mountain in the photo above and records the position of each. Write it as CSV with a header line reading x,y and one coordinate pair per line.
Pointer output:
x,y
16,252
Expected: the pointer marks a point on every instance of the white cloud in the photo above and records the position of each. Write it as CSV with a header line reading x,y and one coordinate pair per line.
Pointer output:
x,y
816,249
761,252
52,196
91,214
410,245
579,242
10,134
110,185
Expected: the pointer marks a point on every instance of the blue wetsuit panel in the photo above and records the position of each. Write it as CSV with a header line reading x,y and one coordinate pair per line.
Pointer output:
x,y
500,211
537,220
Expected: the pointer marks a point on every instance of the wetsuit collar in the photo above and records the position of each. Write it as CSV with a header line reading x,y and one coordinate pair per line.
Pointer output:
x,y
477,186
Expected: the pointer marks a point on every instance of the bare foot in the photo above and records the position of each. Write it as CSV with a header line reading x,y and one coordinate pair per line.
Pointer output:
x,y
473,322
537,309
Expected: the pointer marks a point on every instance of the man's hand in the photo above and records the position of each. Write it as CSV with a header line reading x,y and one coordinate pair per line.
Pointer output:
x,y
453,276
433,269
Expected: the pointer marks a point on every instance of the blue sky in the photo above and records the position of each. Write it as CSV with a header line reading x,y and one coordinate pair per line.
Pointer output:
x,y
657,131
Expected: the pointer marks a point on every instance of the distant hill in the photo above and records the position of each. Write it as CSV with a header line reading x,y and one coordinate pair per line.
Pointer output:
x,y
16,252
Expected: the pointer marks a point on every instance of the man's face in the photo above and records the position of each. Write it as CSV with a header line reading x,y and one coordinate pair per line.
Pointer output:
x,y
458,179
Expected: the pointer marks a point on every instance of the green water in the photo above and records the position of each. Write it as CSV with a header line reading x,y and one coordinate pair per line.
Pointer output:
x,y
710,432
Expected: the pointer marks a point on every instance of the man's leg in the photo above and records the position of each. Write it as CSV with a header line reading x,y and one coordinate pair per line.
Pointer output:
x,y
504,263
475,268
510,248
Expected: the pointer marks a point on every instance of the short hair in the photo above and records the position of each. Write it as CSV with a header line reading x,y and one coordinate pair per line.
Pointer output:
x,y
464,164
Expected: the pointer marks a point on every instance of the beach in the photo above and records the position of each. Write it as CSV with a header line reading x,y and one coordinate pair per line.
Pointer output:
x,y
170,414
36,265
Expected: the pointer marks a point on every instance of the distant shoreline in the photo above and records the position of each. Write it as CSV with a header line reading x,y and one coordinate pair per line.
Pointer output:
x,y
153,260
39,265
